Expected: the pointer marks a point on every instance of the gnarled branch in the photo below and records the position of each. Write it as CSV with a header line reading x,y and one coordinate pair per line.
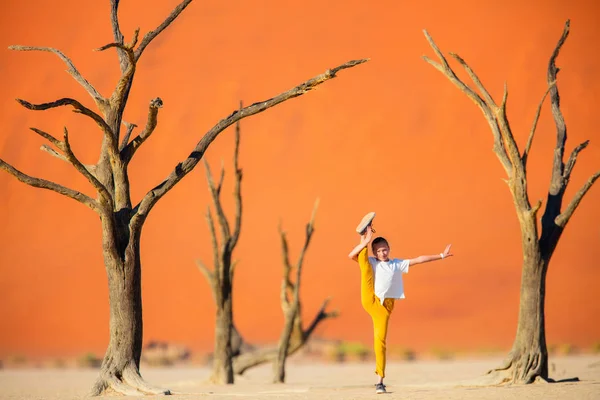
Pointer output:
x,y
71,69
66,147
47,136
559,121
562,219
117,34
286,283
122,89
209,275
534,126
237,189
44,184
151,123
215,192
572,160
148,37
321,315
499,113
444,68
130,127
78,108
185,167
215,248
53,152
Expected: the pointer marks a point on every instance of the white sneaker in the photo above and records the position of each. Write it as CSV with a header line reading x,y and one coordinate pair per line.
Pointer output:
x,y
366,221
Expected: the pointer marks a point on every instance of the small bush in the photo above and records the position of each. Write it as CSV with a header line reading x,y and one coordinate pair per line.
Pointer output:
x,y
566,349
442,354
355,350
18,360
89,360
402,353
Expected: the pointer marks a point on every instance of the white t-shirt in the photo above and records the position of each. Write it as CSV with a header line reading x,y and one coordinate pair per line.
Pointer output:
x,y
388,277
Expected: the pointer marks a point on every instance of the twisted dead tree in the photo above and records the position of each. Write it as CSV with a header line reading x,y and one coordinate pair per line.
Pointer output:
x,y
121,220
527,362
292,335
228,341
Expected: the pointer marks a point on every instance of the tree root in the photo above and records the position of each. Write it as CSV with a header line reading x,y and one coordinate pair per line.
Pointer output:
x,y
519,368
129,383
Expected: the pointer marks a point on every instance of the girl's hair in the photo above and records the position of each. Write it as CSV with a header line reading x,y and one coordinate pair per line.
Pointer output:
x,y
378,240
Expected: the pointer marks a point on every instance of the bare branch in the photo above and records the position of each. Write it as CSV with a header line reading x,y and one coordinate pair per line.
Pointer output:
x,y
78,108
114,19
47,136
221,179
206,272
536,208
445,69
215,246
58,144
118,36
117,99
185,167
66,147
232,267
559,121
71,69
322,315
534,126
151,123
309,232
130,127
53,152
564,217
500,112
215,194
148,37
504,97
287,267
44,184
237,194
572,160
134,39
486,95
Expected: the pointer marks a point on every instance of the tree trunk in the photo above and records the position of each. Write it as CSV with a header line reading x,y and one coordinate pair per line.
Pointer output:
x,y
120,368
285,344
527,362
222,372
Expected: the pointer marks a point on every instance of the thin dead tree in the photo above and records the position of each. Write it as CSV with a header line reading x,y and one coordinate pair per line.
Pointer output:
x,y
528,359
121,220
228,341
292,335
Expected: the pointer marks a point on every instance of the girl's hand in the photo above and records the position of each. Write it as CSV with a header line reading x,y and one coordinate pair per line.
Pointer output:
x,y
365,238
446,252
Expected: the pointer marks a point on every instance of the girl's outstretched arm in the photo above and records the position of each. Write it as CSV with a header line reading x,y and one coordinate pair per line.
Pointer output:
x,y
424,259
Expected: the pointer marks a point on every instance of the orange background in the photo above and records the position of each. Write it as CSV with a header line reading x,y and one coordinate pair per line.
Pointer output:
x,y
393,136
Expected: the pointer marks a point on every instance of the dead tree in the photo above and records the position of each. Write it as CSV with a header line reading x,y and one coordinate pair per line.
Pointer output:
x,y
121,220
221,276
292,332
528,359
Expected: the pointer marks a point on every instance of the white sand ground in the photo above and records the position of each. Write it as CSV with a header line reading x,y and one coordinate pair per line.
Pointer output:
x,y
406,380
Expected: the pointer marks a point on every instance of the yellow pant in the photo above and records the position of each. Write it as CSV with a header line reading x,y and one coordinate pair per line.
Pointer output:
x,y
378,312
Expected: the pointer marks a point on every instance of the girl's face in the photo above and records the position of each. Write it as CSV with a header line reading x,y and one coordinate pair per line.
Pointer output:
x,y
381,251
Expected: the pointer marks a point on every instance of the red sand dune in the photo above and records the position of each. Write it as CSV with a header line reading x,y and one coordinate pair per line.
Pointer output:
x,y
392,135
